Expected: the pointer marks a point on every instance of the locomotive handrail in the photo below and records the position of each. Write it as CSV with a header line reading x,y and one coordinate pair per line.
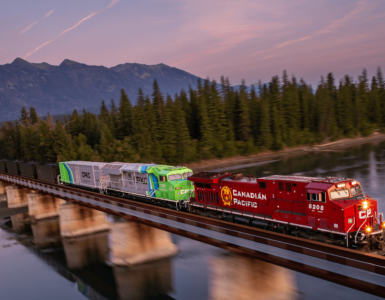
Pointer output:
x,y
355,239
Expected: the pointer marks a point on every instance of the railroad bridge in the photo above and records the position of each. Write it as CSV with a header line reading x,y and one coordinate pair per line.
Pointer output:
x,y
145,237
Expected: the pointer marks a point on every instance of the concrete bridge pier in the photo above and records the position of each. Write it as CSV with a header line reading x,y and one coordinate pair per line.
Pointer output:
x,y
3,191
17,196
245,278
77,220
41,206
133,243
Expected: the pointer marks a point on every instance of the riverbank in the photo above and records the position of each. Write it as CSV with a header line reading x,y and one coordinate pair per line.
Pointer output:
x,y
213,164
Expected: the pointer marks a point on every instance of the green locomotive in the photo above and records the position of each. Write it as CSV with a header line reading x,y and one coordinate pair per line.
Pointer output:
x,y
160,183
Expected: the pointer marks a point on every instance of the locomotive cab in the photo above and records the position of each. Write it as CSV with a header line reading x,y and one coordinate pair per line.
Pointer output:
x,y
349,211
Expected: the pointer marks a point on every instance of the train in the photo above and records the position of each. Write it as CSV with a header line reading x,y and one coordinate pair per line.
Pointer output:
x,y
326,209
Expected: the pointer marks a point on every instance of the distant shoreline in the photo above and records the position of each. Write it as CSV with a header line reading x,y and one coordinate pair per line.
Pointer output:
x,y
265,156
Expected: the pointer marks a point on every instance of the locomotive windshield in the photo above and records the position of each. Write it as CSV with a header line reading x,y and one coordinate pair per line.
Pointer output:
x,y
174,177
339,194
185,175
356,190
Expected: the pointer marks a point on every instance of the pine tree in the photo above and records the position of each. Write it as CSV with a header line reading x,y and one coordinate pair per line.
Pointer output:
x,y
154,136
305,106
141,129
375,103
33,116
168,133
254,113
104,113
363,104
158,103
184,149
194,117
344,107
264,132
61,141
24,119
205,129
46,145
106,142
113,124
185,103
242,118
124,116
18,151
275,113
381,91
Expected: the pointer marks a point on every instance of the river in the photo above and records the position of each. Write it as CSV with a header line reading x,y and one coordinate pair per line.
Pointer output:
x,y
198,271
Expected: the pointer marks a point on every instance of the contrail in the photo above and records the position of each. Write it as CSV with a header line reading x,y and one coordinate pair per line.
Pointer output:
x,y
19,27
113,2
34,23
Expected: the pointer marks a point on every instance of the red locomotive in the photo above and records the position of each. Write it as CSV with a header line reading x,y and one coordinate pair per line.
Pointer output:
x,y
332,210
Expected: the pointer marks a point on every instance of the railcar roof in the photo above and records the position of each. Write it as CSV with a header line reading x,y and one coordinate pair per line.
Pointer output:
x,y
241,179
79,162
209,175
305,179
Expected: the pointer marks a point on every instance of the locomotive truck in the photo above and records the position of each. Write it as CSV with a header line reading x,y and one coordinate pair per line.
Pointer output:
x,y
331,210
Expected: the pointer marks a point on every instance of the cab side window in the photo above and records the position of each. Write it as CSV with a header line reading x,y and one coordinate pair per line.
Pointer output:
x,y
163,178
321,197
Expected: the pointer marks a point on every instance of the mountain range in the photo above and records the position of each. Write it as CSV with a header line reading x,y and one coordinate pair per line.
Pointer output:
x,y
73,85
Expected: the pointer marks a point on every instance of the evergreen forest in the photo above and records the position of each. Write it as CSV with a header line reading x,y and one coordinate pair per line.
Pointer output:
x,y
215,120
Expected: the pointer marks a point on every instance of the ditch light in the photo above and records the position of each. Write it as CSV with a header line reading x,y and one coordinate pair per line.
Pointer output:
x,y
365,204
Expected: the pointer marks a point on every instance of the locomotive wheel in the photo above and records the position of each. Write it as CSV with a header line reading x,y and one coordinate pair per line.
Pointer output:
x,y
364,248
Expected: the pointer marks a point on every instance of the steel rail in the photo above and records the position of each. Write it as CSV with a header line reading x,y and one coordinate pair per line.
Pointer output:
x,y
367,262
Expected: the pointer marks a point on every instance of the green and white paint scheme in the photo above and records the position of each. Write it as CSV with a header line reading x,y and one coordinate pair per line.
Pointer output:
x,y
150,180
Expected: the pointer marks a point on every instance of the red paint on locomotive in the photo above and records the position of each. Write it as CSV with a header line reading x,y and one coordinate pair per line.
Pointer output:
x,y
330,205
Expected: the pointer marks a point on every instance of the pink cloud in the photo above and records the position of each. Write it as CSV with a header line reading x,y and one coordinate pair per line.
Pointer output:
x,y
19,27
113,2
34,23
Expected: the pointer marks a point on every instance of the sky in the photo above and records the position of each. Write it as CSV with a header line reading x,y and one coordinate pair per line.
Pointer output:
x,y
244,39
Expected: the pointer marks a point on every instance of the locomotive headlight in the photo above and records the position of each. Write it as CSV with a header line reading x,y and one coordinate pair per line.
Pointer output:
x,y
365,204
368,229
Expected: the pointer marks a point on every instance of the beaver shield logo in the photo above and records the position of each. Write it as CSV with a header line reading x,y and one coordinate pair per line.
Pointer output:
x,y
227,197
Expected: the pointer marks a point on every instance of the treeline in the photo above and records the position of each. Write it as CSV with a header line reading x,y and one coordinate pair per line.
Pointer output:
x,y
212,121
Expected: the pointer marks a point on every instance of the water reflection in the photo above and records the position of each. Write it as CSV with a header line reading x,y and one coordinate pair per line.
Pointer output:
x,y
86,250
146,281
246,278
46,232
19,222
